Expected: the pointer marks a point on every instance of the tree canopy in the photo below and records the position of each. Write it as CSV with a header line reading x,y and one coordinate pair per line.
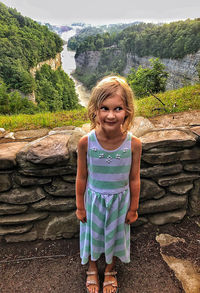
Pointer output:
x,y
173,40
23,44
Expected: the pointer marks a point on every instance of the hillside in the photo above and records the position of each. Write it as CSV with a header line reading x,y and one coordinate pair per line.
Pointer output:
x,y
23,44
102,54
186,99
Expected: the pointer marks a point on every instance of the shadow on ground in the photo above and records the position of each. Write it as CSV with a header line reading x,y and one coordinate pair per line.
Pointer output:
x,y
54,266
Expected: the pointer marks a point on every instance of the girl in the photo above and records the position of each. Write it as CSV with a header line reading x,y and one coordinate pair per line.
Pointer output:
x,y
108,181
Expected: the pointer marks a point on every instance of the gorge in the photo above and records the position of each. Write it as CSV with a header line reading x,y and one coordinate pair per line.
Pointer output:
x,y
181,71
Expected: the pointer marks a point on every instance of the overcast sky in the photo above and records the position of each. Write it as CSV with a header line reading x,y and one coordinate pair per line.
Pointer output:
x,y
106,11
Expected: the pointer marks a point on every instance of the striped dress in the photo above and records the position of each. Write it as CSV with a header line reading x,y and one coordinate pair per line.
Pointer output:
x,y
107,200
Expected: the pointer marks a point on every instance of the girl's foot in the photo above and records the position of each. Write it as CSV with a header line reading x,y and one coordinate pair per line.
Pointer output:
x,y
92,283
110,282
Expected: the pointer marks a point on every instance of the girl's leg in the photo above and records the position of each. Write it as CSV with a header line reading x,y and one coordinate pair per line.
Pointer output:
x,y
112,287
92,282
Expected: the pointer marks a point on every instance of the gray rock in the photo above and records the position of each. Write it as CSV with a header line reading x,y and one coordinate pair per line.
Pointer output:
x,y
60,188
170,157
57,205
12,209
22,195
140,221
160,170
167,203
149,189
22,219
160,158
28,181
190,154
30,236
167,138
69,178
141,126
15,229
74,139
5,182
194,200
167,217
179,178
181,188
180,70
48,150
62,227
8,153
47,172
192,167
2,132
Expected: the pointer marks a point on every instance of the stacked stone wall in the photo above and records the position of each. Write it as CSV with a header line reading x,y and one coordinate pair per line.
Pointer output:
x,y
37,183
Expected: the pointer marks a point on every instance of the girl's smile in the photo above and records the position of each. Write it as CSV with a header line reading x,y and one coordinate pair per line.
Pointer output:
x,y
112,113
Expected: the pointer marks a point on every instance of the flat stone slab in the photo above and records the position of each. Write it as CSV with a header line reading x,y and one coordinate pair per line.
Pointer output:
x,y
167,138
8,153
48,150
31,134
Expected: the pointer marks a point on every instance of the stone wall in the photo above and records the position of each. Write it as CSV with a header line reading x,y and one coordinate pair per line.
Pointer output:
x,y
37,182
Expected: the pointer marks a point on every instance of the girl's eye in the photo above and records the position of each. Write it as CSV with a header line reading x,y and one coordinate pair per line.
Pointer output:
x,y
118,109
103,108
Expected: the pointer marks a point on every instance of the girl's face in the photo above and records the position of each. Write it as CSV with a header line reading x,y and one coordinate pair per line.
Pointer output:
x,y
111,113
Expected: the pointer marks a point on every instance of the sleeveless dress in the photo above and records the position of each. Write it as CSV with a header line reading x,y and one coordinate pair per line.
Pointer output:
x,y
107,200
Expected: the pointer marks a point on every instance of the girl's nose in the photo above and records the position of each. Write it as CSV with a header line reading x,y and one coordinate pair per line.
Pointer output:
x,y
111,114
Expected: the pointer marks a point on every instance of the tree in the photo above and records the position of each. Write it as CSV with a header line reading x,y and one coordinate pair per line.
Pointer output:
x,y
148,81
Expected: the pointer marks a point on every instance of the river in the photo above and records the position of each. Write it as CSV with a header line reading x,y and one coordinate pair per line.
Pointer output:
x,y
69,65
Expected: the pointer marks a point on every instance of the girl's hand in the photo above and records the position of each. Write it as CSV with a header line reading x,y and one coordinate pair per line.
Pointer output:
x,y
81,215
131,217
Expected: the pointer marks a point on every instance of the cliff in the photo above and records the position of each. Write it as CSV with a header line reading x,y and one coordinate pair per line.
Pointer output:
x,y
181,71
53,62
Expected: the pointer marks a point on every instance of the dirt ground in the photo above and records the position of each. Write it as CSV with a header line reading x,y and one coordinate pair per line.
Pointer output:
x,y
54,266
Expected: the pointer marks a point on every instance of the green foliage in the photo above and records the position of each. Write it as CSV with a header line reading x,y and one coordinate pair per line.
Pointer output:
x,y
146,81
174,40
55,90
23,44
186,99
111,62
105,30
14,103
180,100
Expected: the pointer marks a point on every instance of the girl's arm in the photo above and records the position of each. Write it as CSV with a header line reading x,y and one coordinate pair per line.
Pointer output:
x,y
81,179
134,180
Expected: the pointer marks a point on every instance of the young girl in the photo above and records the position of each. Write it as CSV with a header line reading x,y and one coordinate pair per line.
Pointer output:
x,y
108,181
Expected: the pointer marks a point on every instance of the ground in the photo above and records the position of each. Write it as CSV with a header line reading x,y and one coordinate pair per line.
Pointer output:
x,y
54,266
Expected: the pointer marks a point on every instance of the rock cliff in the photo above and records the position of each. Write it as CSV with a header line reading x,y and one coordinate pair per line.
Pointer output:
x,y
181,71
53,62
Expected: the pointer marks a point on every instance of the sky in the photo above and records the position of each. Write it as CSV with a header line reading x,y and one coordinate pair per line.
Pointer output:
x,y
61,12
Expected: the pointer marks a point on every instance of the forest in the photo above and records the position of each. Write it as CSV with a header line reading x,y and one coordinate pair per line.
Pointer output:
x,y
173,40
23,44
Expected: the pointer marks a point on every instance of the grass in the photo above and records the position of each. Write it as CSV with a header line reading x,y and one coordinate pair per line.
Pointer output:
x,y
43,120
185,99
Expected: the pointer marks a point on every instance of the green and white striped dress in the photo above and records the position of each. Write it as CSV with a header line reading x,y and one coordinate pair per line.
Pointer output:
x,y
107,200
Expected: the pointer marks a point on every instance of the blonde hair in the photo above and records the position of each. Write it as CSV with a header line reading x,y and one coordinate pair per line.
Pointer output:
x,y
107,87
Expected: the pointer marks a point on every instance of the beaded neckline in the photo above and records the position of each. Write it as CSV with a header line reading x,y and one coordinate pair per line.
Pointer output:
x,y
99,145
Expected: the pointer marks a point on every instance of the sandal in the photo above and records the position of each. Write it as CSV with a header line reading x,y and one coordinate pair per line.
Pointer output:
x,y
91,282
112,283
